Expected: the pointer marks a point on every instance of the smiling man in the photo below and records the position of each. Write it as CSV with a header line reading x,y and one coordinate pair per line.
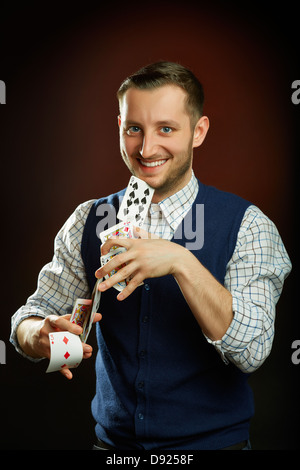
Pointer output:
x,y
157,136
176,346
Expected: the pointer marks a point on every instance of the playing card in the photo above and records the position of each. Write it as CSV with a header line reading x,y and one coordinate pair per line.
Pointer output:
x,y
65,351
81,311
95,302
122,230
136,202
81,315
84,311
106,258
96,296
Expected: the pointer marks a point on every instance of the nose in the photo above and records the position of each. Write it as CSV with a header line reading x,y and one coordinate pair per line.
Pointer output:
x,y
149,146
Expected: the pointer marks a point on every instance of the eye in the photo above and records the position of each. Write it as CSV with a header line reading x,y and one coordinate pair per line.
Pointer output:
x,y
166,130
133,130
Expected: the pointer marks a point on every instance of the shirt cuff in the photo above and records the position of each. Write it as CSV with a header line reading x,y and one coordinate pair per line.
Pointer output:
x,y
20,316
241,343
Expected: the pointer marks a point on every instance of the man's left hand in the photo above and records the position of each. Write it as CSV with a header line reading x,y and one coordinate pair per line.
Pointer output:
x,y
145,257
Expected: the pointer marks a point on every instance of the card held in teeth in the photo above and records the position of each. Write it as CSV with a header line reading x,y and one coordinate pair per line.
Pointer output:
x,y
136,202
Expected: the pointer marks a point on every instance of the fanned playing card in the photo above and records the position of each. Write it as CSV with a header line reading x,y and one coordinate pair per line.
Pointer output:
x,y
122,230
95,303
105,259
136,202
84,311
81,311
66,351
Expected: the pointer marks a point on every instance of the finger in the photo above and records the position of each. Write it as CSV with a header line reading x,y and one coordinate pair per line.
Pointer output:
x,y
125,242
124,273
97,317
141,233
66,373
87,351
114,263
63,323
132,285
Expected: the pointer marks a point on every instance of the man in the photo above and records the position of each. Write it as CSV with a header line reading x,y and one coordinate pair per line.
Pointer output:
x,y
177,344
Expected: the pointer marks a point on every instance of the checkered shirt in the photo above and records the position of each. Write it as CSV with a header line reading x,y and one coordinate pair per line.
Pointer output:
x,y
254,276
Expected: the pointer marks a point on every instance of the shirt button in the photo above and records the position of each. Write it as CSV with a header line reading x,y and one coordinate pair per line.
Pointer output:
x,y
141,384
142,353
145,319
147,287
141,416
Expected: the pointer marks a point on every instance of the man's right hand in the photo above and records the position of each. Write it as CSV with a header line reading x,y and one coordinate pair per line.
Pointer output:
x,y
33,336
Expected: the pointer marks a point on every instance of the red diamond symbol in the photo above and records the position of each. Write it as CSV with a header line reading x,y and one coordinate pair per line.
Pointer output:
x,y
67,355
65,340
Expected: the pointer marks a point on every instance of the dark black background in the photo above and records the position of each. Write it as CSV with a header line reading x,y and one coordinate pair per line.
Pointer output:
x,y
62,64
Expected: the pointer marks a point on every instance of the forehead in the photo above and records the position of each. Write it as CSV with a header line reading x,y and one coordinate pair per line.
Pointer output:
x,y
163,102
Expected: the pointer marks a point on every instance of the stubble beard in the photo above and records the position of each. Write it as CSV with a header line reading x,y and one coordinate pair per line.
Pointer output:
x,y
173,182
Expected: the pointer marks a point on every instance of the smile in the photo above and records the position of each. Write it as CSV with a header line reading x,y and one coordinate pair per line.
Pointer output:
x,y
152,164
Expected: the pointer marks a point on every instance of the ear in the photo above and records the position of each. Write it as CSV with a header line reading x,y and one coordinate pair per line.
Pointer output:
x,y
200,131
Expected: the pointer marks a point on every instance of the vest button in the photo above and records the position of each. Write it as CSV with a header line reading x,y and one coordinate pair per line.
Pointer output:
x,y
147,287
141,416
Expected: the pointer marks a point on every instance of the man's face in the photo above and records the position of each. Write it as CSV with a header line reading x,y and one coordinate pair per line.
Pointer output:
x,y
156,139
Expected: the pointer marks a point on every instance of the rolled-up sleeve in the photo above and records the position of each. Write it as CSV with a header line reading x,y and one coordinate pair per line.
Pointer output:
x,y
255,276
61,281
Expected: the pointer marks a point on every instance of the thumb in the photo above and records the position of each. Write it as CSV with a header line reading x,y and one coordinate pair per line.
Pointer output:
x,y
141,233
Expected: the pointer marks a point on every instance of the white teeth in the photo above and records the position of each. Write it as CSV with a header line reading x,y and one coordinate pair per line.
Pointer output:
x,y
157,163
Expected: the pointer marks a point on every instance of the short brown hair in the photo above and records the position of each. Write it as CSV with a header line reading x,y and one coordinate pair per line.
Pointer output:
x,y
168,73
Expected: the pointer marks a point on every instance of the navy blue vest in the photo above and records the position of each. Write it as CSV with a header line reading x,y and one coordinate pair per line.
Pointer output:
x,y
159,383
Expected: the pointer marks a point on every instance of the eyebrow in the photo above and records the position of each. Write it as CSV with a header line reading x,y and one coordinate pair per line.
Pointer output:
x,y
166,123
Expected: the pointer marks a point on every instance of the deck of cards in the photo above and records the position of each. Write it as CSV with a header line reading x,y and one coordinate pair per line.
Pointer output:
x,y
132,212
66,348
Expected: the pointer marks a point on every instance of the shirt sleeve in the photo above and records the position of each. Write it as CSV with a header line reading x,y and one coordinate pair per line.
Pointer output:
x,y
61,281
255,276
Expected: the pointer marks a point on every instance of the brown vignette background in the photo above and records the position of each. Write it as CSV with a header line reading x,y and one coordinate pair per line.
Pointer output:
x,y
59,147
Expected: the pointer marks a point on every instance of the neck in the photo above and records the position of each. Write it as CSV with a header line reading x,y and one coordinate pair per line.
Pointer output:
x,y
162,193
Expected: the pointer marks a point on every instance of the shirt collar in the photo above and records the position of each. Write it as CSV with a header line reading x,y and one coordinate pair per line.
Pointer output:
x,y
175,207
